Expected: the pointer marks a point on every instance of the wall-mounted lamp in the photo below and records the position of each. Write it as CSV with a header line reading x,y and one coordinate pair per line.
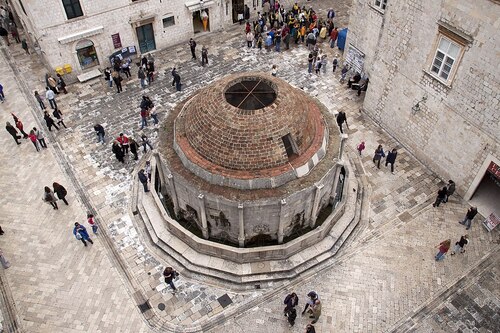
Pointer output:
x,y
416,107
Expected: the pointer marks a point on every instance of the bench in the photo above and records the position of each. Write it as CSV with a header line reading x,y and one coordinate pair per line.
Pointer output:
x,y
89,75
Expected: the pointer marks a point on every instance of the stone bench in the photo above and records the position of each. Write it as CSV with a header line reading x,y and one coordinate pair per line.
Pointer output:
x,y
89,75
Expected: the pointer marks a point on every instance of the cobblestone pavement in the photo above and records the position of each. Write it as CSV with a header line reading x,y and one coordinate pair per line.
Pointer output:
x,y
383,276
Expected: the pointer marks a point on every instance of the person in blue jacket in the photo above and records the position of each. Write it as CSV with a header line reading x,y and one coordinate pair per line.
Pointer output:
x,y
81,233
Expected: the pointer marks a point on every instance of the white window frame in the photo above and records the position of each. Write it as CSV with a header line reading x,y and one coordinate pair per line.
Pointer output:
x,y
168,17
442,57
380,4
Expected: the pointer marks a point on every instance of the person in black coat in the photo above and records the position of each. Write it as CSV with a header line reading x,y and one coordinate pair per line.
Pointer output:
x,y
341,119
133,148
440,197
49,121
471,213
12,131
61,192
450,189
100,133
355,79
391,158
177,80
118,151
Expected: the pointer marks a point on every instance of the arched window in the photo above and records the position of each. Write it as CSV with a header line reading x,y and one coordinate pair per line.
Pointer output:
x,y
86,53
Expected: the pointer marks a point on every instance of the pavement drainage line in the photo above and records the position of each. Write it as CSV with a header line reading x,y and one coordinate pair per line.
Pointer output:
x,y
462,282
63,162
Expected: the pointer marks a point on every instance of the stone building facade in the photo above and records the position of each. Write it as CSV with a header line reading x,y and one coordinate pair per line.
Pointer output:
x,y
84,33
434,81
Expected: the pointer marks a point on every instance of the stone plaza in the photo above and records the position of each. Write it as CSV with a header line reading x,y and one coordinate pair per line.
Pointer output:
x,y
382,278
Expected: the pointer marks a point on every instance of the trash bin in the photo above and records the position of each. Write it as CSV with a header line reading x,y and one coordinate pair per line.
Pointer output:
x,y
67,68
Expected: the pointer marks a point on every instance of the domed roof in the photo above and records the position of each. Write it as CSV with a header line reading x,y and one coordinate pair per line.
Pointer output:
x,y
245,124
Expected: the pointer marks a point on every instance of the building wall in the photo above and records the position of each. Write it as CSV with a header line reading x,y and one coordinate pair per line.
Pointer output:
x,y
46,22
458,125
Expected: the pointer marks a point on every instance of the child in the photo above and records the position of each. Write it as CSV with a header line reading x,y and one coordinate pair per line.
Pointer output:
x,y
259,43
274,70
360,147
318,65
90,220
335,63
147,170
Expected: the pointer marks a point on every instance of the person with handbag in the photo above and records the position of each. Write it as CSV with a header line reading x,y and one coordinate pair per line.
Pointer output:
x,y
170,274
49,197
81,233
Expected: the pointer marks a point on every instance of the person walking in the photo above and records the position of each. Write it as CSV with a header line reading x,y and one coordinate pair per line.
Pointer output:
x,y
204,55
91,222
443,247
61,84
49,197
460,245
108,77
391,159
170,274
99,130
40,137
51,97
32,137
250,38
360,147
440,197
3,260
177,80
450,189
379,154
143,179
124,143
25,47
117,79
192,47
333,37
144,117
20,126
118,151
147,170
154,116
59,116
310,60
133,148
291,300
49,121
146,142
39,100
13,132
341,119
81,233
469,216
61,192
335,63
142,77
313,296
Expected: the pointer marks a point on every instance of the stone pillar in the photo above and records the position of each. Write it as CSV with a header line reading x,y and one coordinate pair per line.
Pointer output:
x,y
173,193
241,235
317,197
281,226
203,215
339,166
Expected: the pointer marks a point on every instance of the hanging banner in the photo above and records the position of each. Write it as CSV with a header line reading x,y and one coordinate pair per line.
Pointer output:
x,y
117,42
491,222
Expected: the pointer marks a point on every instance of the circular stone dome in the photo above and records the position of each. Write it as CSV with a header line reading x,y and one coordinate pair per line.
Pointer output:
x,y
250,130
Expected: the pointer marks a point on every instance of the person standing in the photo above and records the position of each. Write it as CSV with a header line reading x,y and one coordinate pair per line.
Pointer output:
x,y
335,63
274,70
124,143
100,133
450,189
142,77
147,170
204,55
146,142
143,179
310,60
52,84
12,131
32,137
154,116
91,222
379,154
460,245
40,137
440,197
5,35
177,80
333,37
144,117
25,47
118,151
133,148
81,233
471,213
51,97
39,100
310,328
169,274
443,247
341,119
20,126
192,47
49,121
117,79
363,87
391,159
61,84
291,300
108,77
360,147
250,38
58,115
315,311
61,192
49,197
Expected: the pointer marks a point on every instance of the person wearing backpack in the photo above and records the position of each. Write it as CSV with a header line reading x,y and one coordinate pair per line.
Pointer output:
x,y
170,274
291,300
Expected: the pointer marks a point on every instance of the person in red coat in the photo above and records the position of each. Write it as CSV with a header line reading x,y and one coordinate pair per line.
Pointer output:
x,y
333,37
124,143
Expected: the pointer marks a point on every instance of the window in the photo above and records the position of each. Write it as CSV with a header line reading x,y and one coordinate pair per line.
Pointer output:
x,y
381,4
168,21
446,56
290,147
72,8
86,54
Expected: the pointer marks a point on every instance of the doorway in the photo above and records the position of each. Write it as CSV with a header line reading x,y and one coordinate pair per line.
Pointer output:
x,y
485,198
238,8
198,17
146,38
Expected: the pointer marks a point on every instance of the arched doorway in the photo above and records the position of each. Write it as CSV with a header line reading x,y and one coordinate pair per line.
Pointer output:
x,y
87,56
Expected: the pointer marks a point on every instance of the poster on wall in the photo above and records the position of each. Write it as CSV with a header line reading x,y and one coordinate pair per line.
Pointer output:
x,y
356,59
126,52
117,42
491,222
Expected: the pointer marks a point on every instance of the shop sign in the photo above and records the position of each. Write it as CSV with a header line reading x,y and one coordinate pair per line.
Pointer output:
x,y
491,222
117,43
